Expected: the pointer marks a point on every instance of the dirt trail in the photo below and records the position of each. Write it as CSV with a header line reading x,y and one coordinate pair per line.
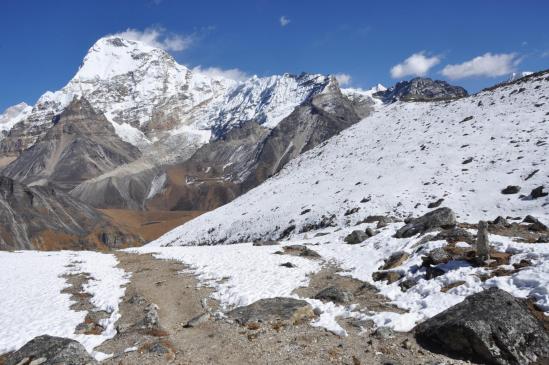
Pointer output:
x,y
223,342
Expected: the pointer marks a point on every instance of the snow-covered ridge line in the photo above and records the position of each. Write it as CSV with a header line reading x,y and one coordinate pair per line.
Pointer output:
x,y
397,161
147,95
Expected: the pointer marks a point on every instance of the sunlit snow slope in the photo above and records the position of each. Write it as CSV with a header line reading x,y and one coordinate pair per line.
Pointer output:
x,y
402,157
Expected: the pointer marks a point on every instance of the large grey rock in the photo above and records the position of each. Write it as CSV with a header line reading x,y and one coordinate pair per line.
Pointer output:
x,y
356,236
441,217
491,327
273,309
422,89
49,350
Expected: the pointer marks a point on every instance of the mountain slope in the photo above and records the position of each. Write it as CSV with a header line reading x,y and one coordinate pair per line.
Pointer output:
x,y
247,156
81,145
397,161
43,218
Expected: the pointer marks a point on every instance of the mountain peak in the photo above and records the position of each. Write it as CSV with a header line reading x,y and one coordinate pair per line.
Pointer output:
x,y
113,55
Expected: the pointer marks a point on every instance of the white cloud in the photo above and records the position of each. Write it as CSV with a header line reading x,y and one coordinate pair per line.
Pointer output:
x,y
216,72
490,65
416,65
158,37
545,54
284,21
343,79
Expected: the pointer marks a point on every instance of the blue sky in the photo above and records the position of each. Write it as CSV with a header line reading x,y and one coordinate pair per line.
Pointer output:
x,y
470,43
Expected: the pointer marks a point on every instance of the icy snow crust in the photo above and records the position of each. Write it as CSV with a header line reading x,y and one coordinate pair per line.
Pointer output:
x,y
402,155
32,304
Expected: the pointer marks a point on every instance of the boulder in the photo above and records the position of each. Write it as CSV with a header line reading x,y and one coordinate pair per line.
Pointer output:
x,y
538,193
355,237
301,250
441,217
389,276
437,256
334,294
490,327
396,259
273,309
511,189
49,350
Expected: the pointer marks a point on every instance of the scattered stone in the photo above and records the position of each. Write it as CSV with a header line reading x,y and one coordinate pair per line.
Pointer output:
x,y
500,221
384,333
436,256
491,327
435,204
407,284
301,250
535,225
407,344
538,193
454,235
396,259
511,189
320,234
49,350
265,243
289,310
334,294
151,319
441,217
467,160
389,276
483,243
351,211
433,272
289,265
370,232
198,320
452,286
356,236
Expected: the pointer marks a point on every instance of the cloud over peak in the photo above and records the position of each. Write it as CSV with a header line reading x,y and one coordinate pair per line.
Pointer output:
x,y
343,79
489,65
158,37
216,72
417,64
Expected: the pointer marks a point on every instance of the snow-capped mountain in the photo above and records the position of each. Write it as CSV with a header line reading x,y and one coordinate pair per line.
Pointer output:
x,y
397,161
147,96
517,75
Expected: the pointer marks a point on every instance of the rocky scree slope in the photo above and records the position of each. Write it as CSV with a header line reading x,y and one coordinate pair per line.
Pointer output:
x,y
43,218
82,144
399,161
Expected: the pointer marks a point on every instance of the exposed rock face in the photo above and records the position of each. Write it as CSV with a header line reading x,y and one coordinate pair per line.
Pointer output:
x,y
42,218
441,217
49,350
289,310
422,89
81,145
224,169
491,327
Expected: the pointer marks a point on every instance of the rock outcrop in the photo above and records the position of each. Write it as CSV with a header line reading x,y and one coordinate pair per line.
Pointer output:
x,y
49,350
422,89
492,327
